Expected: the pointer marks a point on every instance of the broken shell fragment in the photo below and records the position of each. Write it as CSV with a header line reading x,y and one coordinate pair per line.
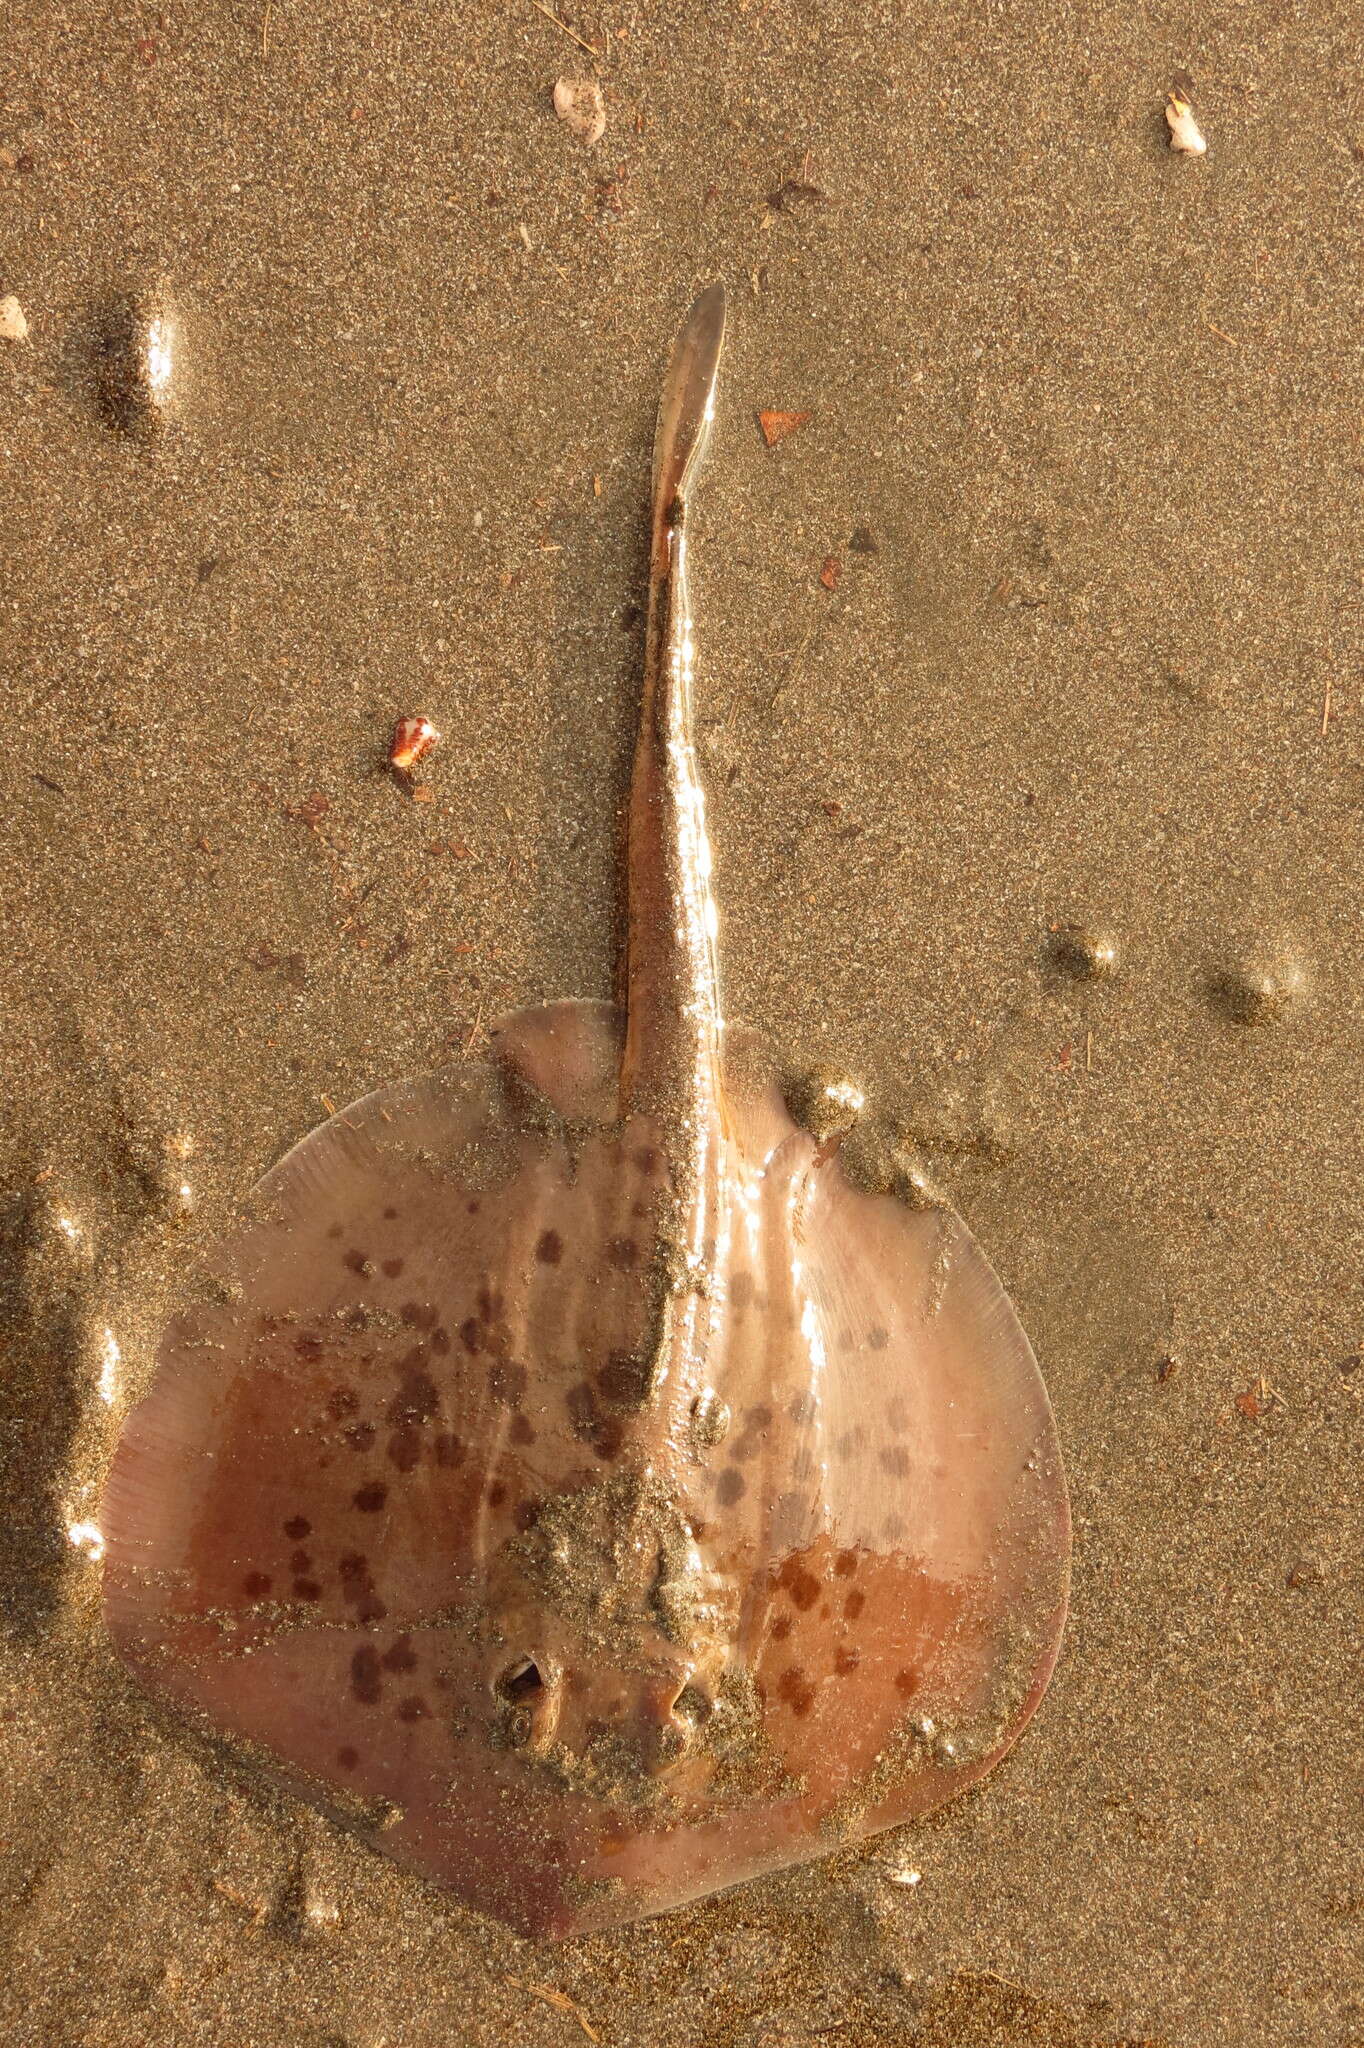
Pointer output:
x,y
13,325
1186,137
777,425
579,104
413,739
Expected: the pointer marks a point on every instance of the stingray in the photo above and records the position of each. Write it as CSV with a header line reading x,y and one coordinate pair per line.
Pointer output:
x,y
568,1475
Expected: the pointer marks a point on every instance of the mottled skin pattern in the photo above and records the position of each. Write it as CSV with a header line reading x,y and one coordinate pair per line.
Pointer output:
x,y
569,1473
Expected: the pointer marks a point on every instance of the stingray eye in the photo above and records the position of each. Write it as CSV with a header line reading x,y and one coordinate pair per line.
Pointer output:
x,y
521,1683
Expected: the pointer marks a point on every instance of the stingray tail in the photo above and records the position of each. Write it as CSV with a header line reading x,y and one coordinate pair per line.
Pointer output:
x,y
686,410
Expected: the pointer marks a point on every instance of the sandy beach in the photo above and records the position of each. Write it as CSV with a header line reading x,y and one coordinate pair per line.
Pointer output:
x,y
1031,721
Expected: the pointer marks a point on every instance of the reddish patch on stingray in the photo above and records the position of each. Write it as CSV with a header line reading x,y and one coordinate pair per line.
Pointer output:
x,y
370,1498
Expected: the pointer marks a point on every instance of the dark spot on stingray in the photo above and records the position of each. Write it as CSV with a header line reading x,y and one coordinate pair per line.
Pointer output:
x,y
527,1514
782,1624
357,1317
470,1336
300,1561
335,1229
854,1604
849,1443
590,1423
370,1498
416,1316
906,1683
894,1529
877,1339
622,1252
390,1215
365,1681
846,1659
449,1450
392,1267
625,1379
646,1159
507,1382
401,1657
489,1304
370,1610
895,1460
308,1347
352,1565
802,1586
413,1708
796,1690
845,1564
730,1487
497,1493
307,1589
639,1209
440,1342
416,1399
356,1261
474,1206
256,1585
347,1757
360,1435
897,1415
741,1290
405,1449
521,1430
550,1249
297,1527
759,1417
341,1402
803,1408
576,1681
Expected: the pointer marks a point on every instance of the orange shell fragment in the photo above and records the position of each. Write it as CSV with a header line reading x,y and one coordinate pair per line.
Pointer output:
x,y
413,739
777,425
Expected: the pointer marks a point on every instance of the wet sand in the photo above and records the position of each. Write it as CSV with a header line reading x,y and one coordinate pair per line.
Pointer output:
x,y
1097,408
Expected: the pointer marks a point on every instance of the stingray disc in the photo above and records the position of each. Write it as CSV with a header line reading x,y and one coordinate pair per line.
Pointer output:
x,y
418,1508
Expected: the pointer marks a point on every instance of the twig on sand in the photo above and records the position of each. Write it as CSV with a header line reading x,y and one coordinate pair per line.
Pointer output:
x,y
561,2002
1326,709
572,33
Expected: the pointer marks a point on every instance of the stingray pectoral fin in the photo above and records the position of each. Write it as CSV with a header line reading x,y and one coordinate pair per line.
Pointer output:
x,y
568,1052
950,1475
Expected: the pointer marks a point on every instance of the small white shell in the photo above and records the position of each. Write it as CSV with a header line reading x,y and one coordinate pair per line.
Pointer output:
x,y
13,325
1185,134
578,102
